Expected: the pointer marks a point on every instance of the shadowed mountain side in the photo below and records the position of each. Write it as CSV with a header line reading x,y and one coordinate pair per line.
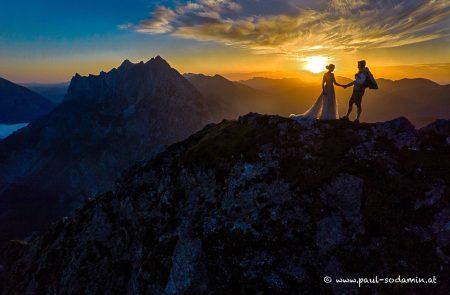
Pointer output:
x,y
106,123
261,205
53,92
421,100
231,99
21,105
273,85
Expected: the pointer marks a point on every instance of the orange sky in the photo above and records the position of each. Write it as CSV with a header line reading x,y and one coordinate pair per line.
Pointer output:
x,y
233,38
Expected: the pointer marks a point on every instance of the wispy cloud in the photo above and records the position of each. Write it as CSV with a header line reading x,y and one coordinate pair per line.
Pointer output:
x,y
295,27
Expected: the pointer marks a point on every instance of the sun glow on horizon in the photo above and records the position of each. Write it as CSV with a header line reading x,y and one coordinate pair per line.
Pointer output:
x,y
315,64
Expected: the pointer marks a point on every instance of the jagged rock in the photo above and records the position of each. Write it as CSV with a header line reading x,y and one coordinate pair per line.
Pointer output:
x,y
440,127
329,233
239,208
400,130
344,194
435,135
435,193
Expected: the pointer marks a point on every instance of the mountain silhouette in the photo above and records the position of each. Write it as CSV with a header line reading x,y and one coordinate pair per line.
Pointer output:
x,y
54,92
261,205
105,124
230,99
21,105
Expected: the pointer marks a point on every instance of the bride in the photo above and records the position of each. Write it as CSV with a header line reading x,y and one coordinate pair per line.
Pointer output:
x,y
325,107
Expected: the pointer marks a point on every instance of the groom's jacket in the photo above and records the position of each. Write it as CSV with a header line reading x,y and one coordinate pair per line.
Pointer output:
x,y
364,79
360,79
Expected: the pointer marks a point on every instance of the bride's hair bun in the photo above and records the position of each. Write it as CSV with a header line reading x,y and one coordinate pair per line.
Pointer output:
x,y
327,67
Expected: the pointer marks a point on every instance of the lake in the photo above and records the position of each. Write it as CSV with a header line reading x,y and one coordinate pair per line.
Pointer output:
x,y
7,129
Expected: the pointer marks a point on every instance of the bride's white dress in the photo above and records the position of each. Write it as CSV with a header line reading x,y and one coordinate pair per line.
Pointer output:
x,y
325,107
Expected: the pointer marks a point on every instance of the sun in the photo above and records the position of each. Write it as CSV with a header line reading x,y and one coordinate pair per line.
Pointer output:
x,y
315,64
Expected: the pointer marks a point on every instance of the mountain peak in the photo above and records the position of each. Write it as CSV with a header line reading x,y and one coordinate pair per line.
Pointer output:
x,y
201,77
117,116
127,74
126,64
221,78
158,60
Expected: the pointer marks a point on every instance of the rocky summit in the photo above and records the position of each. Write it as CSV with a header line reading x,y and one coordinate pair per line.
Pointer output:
x,y
261,205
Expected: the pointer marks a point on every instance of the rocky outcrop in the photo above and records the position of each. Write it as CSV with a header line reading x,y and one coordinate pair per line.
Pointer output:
x,y
106,123
262,205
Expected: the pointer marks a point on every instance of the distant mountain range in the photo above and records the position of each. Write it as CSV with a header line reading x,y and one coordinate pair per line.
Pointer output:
x,y
230,99
54,92
105,124
21,105
420,100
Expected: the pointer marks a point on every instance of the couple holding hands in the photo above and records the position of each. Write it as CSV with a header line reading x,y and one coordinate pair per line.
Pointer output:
x,y
325,107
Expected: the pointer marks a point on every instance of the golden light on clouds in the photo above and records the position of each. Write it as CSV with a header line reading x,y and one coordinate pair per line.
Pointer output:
x,y
294,28
384,32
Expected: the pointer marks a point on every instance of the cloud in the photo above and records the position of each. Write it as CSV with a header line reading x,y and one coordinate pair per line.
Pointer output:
x,y
294,27
161,21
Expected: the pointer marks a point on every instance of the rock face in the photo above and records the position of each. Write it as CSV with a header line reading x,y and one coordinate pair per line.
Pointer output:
x,y
21,105
262,205
106,123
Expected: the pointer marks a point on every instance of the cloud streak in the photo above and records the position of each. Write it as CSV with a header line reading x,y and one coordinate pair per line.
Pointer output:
x,y
293,27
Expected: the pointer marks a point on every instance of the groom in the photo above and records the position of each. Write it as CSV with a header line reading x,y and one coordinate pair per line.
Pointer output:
x,y
358,90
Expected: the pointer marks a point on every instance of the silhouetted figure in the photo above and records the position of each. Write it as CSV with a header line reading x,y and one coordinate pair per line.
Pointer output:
x,y
363,79
325,107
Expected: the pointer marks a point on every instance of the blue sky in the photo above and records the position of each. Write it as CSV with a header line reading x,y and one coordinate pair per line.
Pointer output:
x,y
41,27
56,36
48,41
22,19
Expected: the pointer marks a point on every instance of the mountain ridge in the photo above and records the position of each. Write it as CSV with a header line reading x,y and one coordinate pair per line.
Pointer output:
x,y
230,98
259,204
